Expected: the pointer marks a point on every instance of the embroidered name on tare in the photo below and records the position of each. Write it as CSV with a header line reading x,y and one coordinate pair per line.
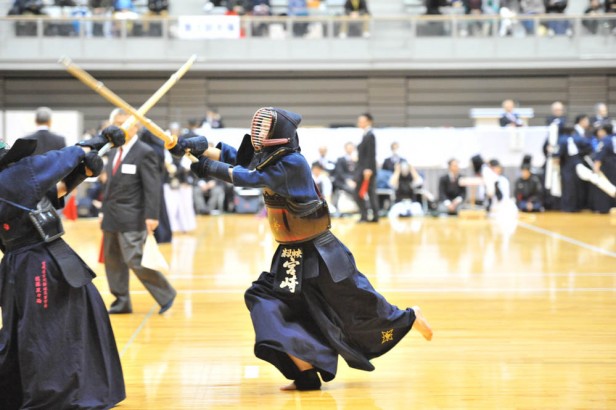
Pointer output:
x,y
40,286
293,256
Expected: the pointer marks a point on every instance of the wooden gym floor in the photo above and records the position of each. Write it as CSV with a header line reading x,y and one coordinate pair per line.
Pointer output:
x,y
523,316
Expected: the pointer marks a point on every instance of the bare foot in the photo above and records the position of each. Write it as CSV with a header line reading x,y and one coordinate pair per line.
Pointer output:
x,y
421,324
289,387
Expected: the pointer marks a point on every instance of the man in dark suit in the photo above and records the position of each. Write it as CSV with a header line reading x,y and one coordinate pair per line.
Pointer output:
x,y
366,170
46,140
130,212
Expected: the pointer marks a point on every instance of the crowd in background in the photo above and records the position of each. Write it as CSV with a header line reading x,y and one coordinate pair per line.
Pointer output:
x,y
399,189
515,16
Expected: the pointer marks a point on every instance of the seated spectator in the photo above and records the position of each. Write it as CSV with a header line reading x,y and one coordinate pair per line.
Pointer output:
x,y
327,165
215,192
501,204
344,174
124,10
324,184
395,158
610,7
451,194
594,8
510,118
260,8
406,182
299,8
483,194
528,191
101,8
27,8
560,26
212,119
156,8
356,10
473,8
529,8
90,205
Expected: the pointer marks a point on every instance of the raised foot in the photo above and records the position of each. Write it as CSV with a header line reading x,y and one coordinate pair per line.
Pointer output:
x,y
421,324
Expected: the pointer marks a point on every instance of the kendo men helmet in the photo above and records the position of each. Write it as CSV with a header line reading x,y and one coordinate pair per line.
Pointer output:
x,y
273,127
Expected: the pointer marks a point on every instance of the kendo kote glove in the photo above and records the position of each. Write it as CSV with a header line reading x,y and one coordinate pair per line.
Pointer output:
x,y
206,168
112,134
92,162
197,146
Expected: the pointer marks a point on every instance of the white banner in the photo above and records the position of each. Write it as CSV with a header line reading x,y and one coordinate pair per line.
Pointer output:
x,y
208,27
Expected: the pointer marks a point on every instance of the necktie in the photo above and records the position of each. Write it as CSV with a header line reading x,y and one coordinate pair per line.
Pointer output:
x,y
117,163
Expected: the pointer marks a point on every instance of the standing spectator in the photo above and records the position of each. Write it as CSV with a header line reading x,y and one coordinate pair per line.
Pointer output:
x,y
582,125
601,116
509,117
451,194
528,191
365,174
356,10
130,212
45,139
557,113
552,194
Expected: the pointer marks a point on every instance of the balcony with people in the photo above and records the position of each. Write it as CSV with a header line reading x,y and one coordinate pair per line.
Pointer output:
x,y
310,34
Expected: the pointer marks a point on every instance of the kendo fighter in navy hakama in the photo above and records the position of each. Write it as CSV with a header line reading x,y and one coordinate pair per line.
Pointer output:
x,y
603,175
571,150
57,348
313,305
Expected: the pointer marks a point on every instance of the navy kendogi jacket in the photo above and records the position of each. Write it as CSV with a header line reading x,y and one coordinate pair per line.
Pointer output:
x,y
26,183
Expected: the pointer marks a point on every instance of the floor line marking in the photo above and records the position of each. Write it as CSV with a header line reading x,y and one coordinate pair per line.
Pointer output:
x,y
137,331
567,239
